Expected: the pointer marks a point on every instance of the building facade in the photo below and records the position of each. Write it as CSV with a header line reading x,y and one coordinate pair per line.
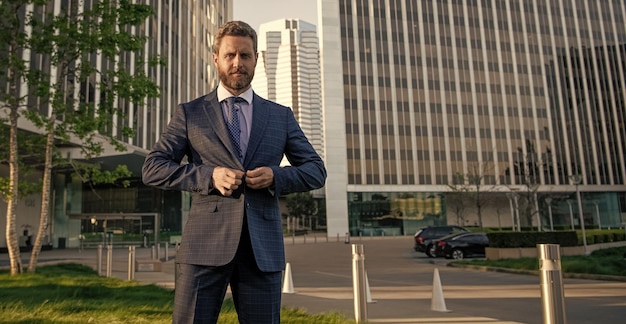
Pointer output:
x,y
181,32
288,72
480,112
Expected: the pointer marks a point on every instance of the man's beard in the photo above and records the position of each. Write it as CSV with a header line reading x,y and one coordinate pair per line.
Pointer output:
x,y
236,83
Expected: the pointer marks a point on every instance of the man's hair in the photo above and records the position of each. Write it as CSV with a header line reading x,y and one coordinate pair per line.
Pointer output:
x,y
234,28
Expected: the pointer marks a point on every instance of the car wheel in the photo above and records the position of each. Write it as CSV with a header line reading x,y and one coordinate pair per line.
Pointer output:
x,y
457,254
430,251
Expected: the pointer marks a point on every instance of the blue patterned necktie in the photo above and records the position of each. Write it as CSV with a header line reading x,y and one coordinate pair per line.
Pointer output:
x,y
233,125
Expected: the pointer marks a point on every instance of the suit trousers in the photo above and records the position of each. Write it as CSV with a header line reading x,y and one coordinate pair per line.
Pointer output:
x,y
200,290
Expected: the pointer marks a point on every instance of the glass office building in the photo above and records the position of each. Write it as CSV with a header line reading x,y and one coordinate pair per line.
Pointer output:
x,y
492,112
182,33
288,72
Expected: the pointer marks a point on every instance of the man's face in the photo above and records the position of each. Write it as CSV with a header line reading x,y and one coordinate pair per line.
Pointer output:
x,y
235,62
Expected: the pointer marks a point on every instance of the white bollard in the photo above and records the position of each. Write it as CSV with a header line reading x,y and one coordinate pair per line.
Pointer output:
x,y
109,259
359,283
552,296
131,263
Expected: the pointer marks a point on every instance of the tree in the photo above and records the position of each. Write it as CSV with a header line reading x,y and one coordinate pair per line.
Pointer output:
x,y
13,70
458,200
526,172
68,39
471,186
301,205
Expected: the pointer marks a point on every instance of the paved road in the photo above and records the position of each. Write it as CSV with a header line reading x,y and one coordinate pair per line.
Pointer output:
x,y
400,284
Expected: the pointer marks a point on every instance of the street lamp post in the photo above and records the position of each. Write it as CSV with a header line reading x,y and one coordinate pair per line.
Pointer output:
x,y
549,201
577,179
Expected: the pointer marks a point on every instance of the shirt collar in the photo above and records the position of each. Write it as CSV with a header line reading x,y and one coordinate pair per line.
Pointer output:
x,y
222,94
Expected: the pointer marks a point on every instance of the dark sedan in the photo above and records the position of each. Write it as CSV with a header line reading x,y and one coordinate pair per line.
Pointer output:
x,y
462,245
425,236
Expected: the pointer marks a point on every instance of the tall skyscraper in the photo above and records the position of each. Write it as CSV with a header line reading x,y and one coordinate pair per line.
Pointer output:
x,y
288,72
424,100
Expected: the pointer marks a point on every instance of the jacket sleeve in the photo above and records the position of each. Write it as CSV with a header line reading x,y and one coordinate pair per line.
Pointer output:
x,y
165,167
306,170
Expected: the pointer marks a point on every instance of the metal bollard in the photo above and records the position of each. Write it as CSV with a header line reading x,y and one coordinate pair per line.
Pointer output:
x,y
347,238
167,251
552,297
109,259
153,253
359,283
131,263
99,259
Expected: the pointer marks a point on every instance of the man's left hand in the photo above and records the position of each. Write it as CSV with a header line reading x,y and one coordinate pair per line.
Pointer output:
x,y
259,178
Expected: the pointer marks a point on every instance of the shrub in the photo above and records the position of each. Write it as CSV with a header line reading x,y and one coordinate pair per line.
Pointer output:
x,y
531,239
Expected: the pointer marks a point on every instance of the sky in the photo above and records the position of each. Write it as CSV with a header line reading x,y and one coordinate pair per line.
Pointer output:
x,y
257,12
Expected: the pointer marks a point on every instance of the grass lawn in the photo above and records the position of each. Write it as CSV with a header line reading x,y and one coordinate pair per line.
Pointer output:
x,y
602,262
73,293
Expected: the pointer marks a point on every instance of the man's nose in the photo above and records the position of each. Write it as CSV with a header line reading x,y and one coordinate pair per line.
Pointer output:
x,y
237,60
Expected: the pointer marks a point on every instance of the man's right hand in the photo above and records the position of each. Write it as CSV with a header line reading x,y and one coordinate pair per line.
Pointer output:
x,y
227,180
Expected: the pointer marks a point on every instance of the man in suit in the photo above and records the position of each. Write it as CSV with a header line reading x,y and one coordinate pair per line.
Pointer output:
x,y
233,235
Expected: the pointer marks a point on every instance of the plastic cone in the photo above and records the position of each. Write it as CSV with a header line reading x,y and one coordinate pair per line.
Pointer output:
x,y
367,290
438,304
288,281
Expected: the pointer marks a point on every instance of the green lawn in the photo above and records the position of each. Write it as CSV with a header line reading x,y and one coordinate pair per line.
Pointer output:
x,y
602,262
73,293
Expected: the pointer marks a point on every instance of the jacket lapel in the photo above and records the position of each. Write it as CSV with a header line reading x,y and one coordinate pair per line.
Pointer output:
x,y
260,117
215,117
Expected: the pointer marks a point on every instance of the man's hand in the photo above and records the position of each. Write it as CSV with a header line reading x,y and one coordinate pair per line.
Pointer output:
x,y
259,178
227,180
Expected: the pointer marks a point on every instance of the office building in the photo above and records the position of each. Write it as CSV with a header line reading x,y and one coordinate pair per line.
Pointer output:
x,y
182,33
428,102
288,72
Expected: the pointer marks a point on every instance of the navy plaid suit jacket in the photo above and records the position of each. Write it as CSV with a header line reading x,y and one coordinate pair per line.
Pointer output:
x,y
198,132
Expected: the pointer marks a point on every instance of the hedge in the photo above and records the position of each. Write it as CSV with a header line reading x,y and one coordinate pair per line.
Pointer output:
x,y
531,239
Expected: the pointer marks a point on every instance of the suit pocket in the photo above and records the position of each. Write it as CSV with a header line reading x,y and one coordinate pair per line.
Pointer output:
x,y
272,214
201,204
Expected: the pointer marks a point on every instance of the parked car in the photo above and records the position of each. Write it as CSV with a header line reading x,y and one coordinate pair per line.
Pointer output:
x,y
462,245
425,236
